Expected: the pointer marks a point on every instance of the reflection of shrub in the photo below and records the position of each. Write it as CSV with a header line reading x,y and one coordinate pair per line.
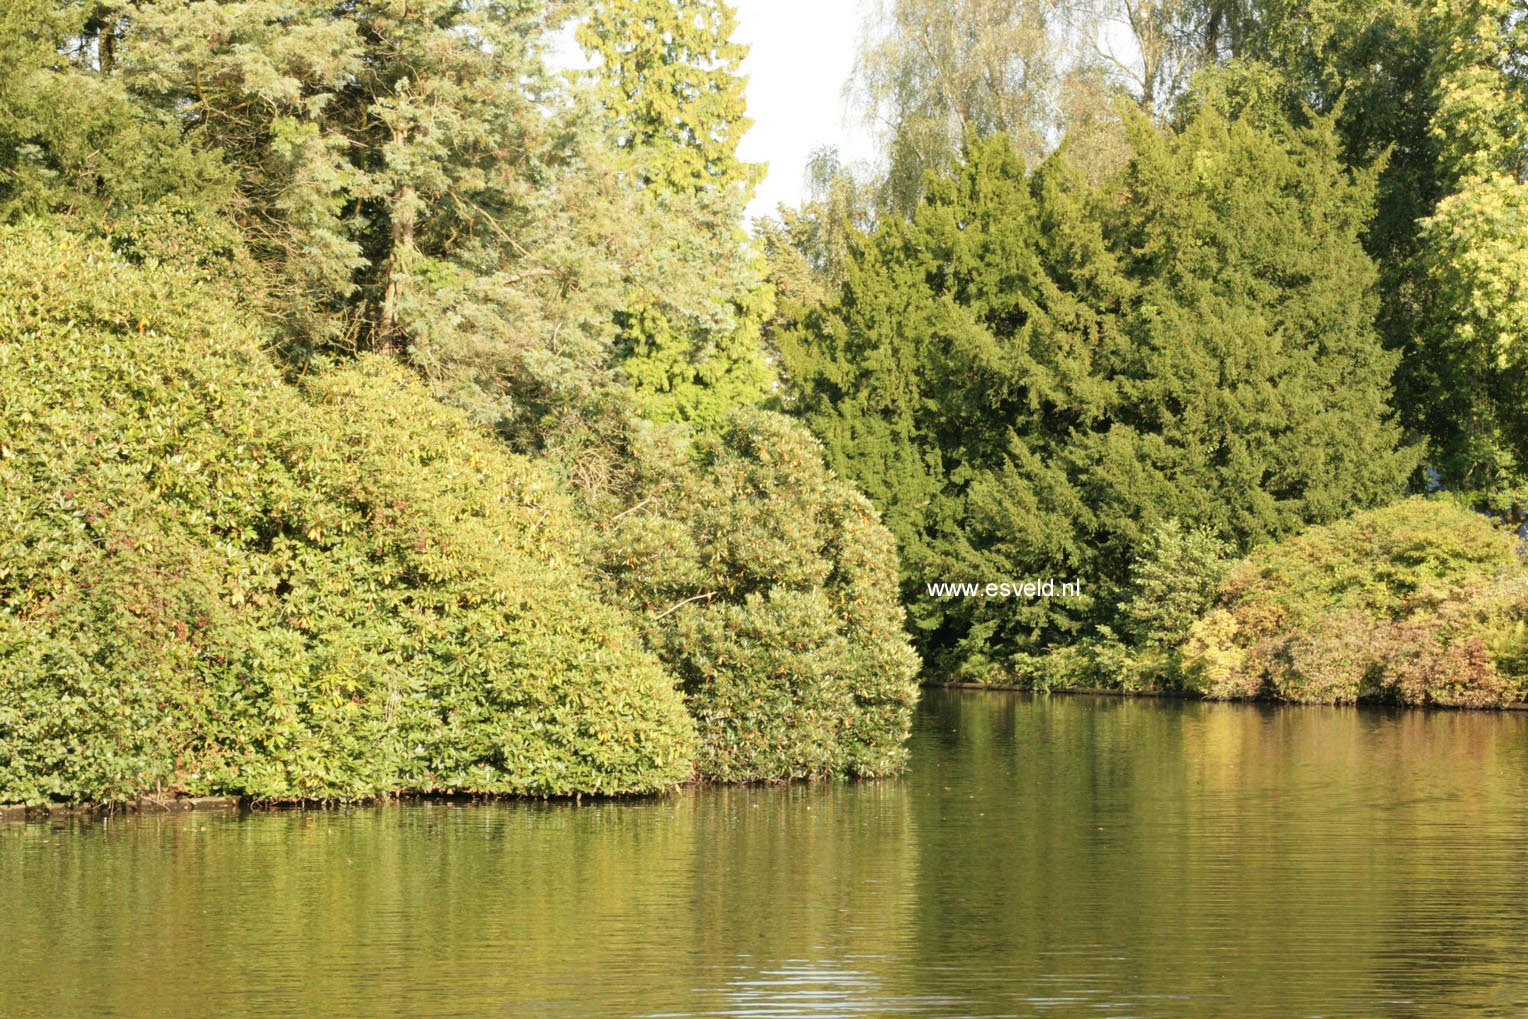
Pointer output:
x,y
213,582
1419,603
770,589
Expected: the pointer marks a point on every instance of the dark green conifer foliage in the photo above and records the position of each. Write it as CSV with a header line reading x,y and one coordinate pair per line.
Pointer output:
x,y
1029,377
73,144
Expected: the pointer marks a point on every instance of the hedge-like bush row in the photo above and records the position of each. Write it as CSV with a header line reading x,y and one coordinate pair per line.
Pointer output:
x,y
215,581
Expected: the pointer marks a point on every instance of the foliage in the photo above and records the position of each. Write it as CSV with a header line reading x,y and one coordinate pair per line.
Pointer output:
x,y
74,144
696,373
410,179
415,182
1031,374
808,249
1173,580
1368,64
1474,340
1434,95
1422,602
769,587
932,74
215,583
668,72
1430,97
666,77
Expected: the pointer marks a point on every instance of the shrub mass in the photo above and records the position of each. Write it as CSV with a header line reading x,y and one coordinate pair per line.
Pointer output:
x,y
769,588
1422,602
213,582
216,581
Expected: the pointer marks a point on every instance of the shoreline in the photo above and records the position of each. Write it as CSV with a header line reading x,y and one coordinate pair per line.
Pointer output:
x,y
1104,691
227,804
145,806
149,805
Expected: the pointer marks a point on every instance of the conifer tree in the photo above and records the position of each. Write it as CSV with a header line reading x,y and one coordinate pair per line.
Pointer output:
x,y
1428,93
667,77
1030,376
413,180
945,381
668,72
74,144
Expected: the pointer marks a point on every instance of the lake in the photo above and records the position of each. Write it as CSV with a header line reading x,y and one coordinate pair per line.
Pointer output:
x,y
1055,857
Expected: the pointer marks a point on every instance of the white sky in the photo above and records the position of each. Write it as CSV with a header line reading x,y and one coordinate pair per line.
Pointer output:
x,y
801,54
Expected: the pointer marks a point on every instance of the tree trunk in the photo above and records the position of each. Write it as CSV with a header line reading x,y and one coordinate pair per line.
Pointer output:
x,y
389,339
102,26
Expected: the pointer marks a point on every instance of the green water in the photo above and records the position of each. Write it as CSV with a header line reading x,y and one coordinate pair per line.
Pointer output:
x,y
1044,857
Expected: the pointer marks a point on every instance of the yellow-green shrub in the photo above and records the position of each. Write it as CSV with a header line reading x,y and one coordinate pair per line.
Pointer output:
x,y
1422,602
212,581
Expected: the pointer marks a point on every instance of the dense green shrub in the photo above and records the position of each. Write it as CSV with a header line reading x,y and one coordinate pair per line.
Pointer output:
x,y
1173,581
214,582
1422,602
770,588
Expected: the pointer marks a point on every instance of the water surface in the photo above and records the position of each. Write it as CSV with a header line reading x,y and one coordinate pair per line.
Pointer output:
x,y
1048,857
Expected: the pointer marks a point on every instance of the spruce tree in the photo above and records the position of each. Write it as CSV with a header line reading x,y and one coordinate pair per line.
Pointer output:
x,y
412,179
74,144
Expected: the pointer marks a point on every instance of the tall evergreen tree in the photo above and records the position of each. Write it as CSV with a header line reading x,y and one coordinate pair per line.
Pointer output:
x,y
668,71
413,179
667,76
383,151
74,144
1430,94
1030,376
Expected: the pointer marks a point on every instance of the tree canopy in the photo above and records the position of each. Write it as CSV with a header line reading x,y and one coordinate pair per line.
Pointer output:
x,y
1030,374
